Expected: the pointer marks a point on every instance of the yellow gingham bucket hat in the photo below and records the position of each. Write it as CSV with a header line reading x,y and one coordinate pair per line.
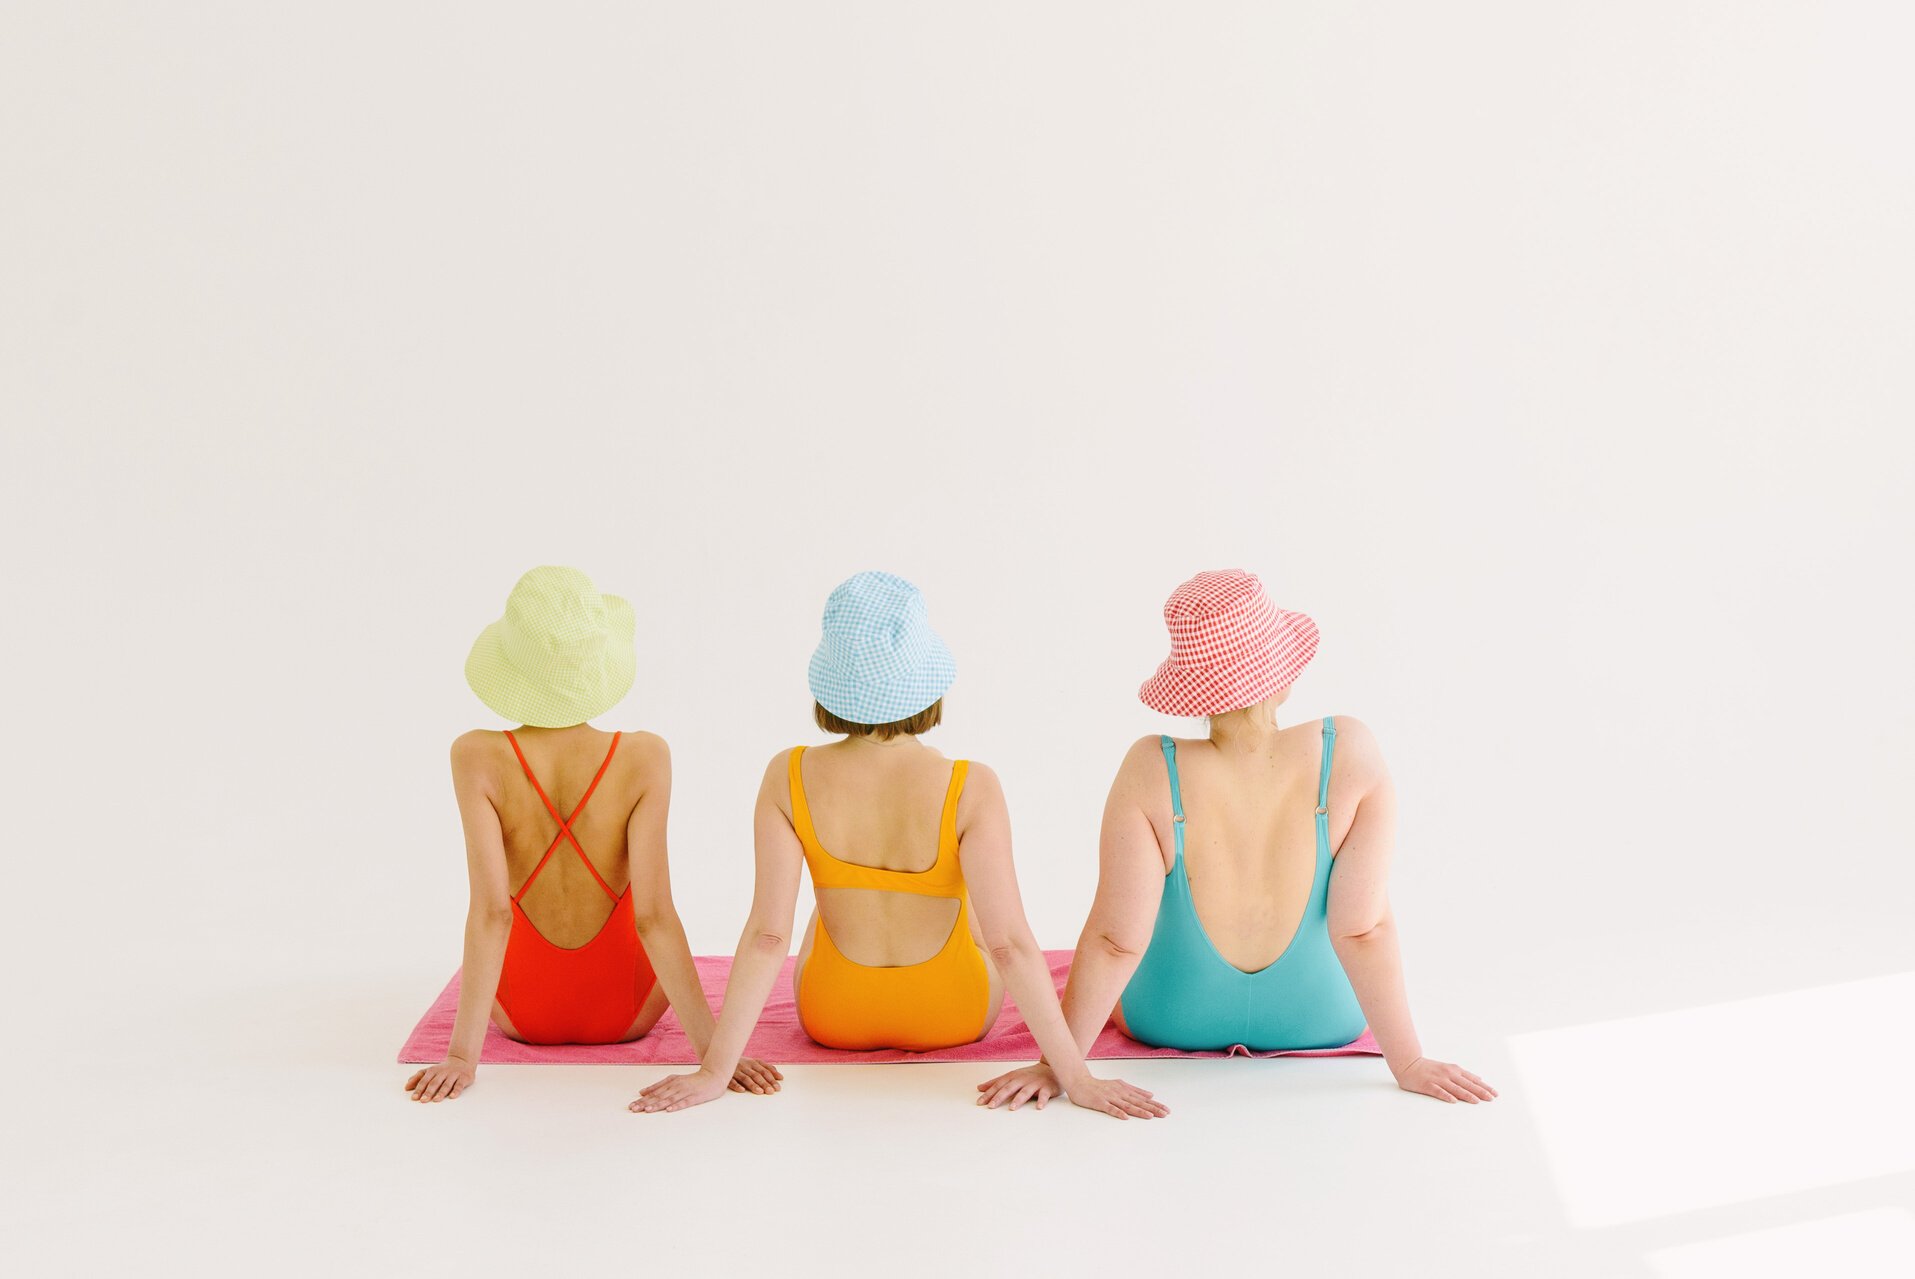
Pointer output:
x,y
561,655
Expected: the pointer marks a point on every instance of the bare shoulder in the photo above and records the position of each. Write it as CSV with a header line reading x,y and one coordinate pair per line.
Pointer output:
x,y
983,793
646,749
1357,750
775,784
780,766
983,779
475,751
1143,766
643,739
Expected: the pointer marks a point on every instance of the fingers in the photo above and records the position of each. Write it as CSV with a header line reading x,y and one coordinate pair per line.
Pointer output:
x,y
756,1076
1482,1089
1436,1090
674,1092
1471,1091
1136,1101
417,1074
999,1095
1451,1080
1141,1101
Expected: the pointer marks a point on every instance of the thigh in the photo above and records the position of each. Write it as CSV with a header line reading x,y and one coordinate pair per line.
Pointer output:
x,y
648,1014
804,954
504,1023
1117,1017
995,992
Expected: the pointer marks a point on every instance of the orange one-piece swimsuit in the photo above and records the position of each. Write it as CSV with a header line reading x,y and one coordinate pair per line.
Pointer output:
x,y
588,994
939,1003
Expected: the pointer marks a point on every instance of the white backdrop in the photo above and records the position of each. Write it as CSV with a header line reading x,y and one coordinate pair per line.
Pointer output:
x,y
1555,358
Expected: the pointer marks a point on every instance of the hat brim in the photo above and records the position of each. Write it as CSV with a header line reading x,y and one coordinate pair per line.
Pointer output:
x,y
510,694
1194,692
890,701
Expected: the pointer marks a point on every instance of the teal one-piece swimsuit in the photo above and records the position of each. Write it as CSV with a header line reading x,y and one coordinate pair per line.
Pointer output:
x,y
1185,994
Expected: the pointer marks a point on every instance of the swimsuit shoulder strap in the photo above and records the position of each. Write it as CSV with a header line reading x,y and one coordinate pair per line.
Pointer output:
x,y
565,823
800,806
947,820
1169,748
1329,750
1176,790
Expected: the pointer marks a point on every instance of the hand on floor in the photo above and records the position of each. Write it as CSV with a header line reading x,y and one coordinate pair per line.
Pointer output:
x,y
1444,1081
756,1076
1116,1098
442,1082
1035,1084
677,1092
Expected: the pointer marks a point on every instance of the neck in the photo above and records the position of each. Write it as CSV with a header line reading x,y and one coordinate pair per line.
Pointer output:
x,y
865,742
1247,729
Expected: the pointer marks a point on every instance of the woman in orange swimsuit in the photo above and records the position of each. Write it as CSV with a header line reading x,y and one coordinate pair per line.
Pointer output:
x,y
554,954
900,841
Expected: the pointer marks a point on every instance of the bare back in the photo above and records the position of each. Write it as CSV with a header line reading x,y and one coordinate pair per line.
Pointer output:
x,y
566,903
880,806
1250,839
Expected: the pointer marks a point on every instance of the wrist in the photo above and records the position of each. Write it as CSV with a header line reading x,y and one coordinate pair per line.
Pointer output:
x,y
1399,1068
1071,1079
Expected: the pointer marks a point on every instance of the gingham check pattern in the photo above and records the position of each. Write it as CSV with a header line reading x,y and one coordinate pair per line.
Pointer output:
x,y
878,661
1230,647
561,655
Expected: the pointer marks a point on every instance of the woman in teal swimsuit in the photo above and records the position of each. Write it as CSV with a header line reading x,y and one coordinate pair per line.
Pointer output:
x,y
1241,897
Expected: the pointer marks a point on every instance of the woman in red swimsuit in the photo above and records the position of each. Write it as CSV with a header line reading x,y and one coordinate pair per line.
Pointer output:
x,y
557,815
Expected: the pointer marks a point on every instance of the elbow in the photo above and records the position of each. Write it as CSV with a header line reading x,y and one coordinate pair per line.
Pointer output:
x,y
650,917
768,941
1007,951
490,919
1118,946
1358,934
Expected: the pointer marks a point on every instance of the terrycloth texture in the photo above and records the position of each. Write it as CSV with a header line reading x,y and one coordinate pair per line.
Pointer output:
x,y
778,1038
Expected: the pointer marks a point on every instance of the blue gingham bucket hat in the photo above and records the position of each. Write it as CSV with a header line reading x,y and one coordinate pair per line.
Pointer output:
x,y
879,661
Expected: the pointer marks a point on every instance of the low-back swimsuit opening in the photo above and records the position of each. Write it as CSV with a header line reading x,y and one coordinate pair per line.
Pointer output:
x,y
939,1003
588,994
1186,995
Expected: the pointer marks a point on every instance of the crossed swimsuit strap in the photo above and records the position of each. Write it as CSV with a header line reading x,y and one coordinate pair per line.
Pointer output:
x,y
565,823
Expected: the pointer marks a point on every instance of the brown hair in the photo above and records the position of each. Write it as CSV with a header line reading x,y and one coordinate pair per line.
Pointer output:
x,y
925,720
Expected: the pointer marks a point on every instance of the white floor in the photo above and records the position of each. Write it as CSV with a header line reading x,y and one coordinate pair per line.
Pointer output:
x,y
277,1138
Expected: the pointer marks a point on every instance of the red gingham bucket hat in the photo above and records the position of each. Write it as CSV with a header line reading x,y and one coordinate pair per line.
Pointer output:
x,y
1230,647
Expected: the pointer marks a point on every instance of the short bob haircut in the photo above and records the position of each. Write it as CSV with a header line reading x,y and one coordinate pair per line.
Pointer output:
x,y
925,720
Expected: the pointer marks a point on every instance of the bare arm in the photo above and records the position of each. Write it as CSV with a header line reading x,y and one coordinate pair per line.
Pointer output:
x,y
984,849
761,954
1130,885
659,926
488,923
1363,928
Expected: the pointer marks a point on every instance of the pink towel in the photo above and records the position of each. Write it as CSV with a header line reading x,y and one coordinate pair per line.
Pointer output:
x,y
778,1038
